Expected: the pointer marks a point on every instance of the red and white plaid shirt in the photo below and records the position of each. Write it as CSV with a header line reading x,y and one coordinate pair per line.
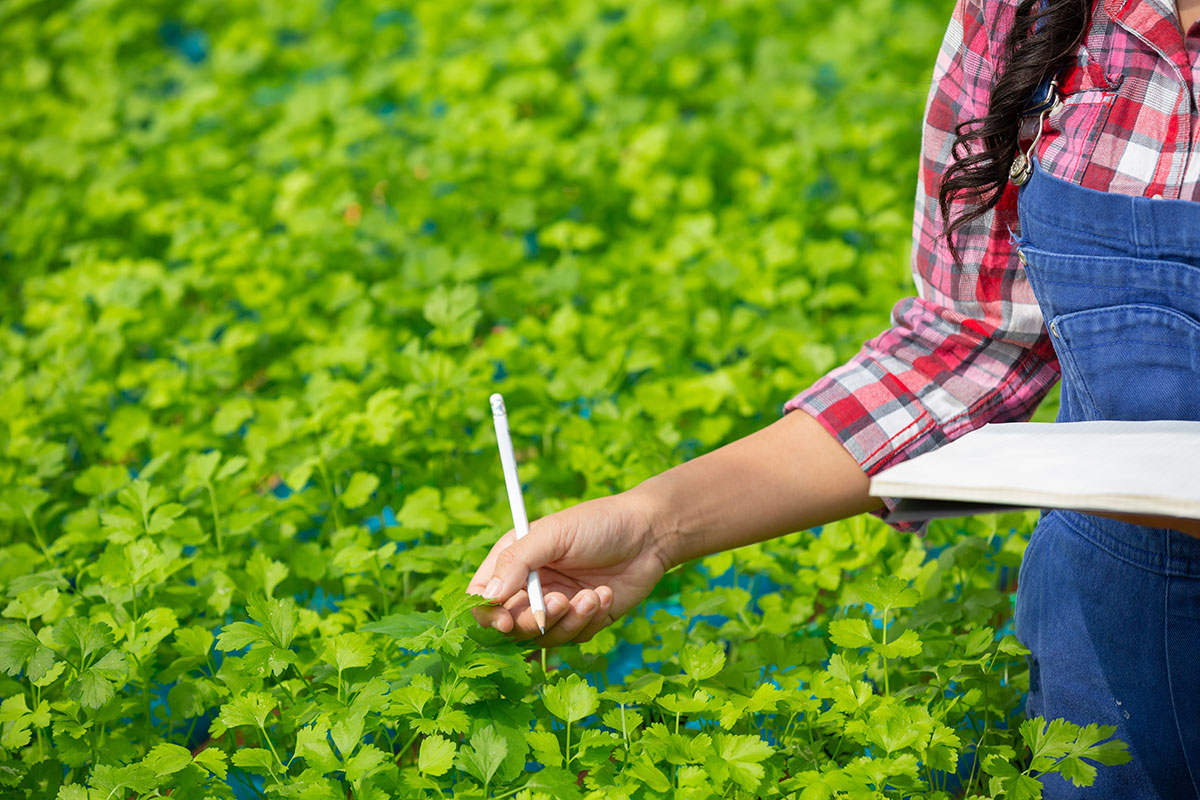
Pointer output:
x,y
972,347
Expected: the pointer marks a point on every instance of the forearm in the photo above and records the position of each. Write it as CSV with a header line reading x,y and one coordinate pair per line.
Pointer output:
x,y
789,476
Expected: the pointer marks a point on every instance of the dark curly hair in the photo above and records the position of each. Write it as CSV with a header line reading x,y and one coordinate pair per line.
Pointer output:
x,y
1040,44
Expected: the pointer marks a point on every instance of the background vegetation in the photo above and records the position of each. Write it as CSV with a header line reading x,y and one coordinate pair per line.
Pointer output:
x,y
263,262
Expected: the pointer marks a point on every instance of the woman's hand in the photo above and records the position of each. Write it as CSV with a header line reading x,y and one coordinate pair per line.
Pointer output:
x,y
596,561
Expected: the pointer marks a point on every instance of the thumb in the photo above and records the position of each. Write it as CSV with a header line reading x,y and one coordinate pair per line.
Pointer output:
x,y
542,545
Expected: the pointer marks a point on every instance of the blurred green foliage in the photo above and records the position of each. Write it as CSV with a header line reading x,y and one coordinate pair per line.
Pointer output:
x,y
262,264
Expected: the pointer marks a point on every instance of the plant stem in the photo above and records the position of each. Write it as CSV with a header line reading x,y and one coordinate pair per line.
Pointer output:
x,y
408,744
212,497
191,729
886,689
146,694
387,600
37,534
332,489
267,739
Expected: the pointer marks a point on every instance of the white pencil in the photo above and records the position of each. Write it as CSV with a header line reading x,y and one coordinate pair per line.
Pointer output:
x,y
516,502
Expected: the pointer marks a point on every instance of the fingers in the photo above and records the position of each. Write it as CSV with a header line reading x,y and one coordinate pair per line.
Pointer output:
x,y
479,580
490,616
511,564
600,619
493,617
574,621
515,617
580,612
525,626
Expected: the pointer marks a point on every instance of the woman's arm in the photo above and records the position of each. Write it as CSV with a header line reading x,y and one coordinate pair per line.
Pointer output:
x,y
599,558
789,476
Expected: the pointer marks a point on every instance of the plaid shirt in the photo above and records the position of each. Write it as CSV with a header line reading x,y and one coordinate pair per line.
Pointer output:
x,y
972,347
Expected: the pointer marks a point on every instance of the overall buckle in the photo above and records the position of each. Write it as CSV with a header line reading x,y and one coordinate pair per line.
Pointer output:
x,y
1022,166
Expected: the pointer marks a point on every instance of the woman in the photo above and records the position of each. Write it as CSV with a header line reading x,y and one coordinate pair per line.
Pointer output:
x,y
1082,260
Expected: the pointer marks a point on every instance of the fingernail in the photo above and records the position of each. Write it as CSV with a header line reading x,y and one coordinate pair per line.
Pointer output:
x,y
493,589
586,605
554,605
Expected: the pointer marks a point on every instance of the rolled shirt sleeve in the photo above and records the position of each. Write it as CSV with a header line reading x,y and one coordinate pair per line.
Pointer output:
x,y
971,347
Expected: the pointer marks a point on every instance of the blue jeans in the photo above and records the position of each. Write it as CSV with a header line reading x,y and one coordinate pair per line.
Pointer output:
x,y
1111,610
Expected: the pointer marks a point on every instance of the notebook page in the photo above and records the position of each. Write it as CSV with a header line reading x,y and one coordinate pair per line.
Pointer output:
x,y
1139,467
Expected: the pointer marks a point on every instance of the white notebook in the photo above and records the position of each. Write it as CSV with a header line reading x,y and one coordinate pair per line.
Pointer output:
x,y
1133,467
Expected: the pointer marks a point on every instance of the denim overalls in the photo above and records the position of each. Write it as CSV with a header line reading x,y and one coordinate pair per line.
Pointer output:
x,y
1111,610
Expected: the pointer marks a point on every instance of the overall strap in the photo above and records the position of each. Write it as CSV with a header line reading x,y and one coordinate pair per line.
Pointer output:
x,y
1043,95
1043,99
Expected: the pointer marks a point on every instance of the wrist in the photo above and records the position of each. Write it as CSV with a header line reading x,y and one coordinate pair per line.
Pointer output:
x,y
658,521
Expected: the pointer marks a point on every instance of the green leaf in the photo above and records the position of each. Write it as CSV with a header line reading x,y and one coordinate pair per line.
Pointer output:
x,y
571,699
358,492
890,593
19,720
31,603
237,635
851,633
141,497
81,636
546,748
251,708
96,685
485,754
367,761
231,467
101,479
703,662
436,756
422,510
425,630
1000,767
1009,645
348,650
231,415
255,759
268,572
278,616
976,641
1018,787
167,759
556,782
22,502
297,478
312,745
347,734
109,781
453,597
20,646
624,721
906,645
743,757
682,704
1076,770
212,760
453,313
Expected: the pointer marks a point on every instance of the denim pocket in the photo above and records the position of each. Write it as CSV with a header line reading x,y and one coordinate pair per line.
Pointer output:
x,y
1133,362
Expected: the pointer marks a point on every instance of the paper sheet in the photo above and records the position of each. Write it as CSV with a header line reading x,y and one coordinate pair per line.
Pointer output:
x,y
1137,467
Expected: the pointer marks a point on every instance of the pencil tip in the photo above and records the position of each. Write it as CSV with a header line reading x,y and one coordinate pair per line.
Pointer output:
x,y
540,618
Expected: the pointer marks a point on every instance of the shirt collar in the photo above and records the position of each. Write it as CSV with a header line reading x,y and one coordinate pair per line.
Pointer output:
x,y
1155,22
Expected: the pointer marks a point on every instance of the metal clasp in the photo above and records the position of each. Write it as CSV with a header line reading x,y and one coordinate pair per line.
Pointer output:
x,y
1022,165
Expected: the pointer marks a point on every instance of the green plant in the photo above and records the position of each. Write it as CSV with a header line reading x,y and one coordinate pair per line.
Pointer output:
x,y
262,265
